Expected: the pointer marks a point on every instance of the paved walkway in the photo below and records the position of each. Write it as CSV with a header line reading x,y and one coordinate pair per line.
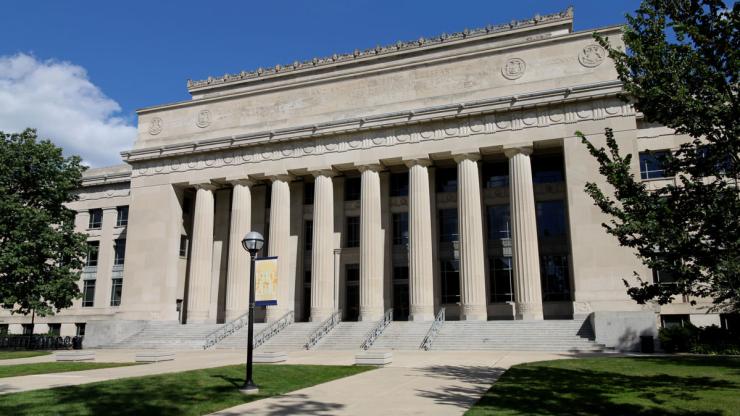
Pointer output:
x,y
416,383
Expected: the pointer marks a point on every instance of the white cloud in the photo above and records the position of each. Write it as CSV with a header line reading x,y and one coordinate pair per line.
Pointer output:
x,y
58,99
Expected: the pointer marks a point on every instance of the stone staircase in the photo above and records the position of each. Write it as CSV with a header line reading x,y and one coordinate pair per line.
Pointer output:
x,y
238,340
402,335
291,338
547,335
345,336
167,335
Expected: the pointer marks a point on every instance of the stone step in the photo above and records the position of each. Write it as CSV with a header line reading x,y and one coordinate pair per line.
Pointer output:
x,y
345,336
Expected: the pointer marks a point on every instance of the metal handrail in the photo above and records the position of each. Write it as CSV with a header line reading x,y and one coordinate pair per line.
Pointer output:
x,y
273,329
378,329
327,325
215,336
439,320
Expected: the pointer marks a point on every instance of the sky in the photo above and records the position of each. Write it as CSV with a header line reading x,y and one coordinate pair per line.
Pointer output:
x,y
78,70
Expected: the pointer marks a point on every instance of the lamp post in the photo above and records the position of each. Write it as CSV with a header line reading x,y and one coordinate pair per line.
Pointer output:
x,y
252,242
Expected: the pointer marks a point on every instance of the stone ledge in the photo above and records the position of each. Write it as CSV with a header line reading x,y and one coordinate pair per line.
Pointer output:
x,y
154,357
380,358
270,357
74,356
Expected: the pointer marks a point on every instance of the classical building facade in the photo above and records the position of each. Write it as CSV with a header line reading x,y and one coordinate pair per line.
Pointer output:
x,y
439,172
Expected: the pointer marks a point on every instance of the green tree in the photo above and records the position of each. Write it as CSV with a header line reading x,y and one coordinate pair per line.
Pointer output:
x,y
40,253
680,69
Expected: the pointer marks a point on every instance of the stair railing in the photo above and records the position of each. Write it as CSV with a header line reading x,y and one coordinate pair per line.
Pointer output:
x,y
272,329
215,336
378,329
326,326
439,320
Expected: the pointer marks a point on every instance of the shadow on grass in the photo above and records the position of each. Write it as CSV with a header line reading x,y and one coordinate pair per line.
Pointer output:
x,y
551,389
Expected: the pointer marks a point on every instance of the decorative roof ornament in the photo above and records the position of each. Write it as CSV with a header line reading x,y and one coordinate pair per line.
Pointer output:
x,y
423,42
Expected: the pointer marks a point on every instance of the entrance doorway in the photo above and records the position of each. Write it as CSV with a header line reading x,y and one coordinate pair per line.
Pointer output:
x,y
352,292
401,293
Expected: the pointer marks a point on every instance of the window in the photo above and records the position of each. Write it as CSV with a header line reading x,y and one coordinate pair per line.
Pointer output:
x,y
27,329
400,228
88,293
93,248
308,235
96,219
652,164
554,277
499,222
664,277
547,169
119,252
446,180
308,192
115,292
184,242
55,329
122,217
352,272
353,231
448,225
550,219
450,274
400,184
670,321
80,329
352,188
501,278
496,174
4,329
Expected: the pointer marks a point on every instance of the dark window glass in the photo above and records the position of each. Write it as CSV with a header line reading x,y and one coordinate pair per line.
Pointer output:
x,y
352,188
122,217
27,329
353,231
96,219
551,219
499,222
664,277
400,184
400,228
448,225
80,330
547,169
55,329
450,274
183,246
116,291
652,164
308,235
88,293
92,253
554,276
501,275
119,252
308,191
670,321
446,179
401,273
352,272
496,174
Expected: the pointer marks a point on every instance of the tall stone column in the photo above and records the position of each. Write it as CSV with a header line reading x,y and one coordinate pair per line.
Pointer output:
x,y
201,255
280,245
237,280
322,247
371,246
472,260
421,275
526,261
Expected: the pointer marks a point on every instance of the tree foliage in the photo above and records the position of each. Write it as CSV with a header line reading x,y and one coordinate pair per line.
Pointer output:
x,y
680,69
40,253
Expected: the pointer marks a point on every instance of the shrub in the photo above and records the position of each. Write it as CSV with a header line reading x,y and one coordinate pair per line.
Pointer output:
x,y
707,340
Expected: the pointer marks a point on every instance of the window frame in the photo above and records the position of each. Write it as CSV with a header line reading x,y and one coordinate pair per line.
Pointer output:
x,y
95,222
122,216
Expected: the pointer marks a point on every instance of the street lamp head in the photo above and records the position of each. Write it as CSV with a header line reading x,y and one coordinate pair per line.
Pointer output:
x,y
253,241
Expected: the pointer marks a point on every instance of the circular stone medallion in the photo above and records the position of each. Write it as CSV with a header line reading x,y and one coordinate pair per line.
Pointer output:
x,y
513,68
155,126
591,56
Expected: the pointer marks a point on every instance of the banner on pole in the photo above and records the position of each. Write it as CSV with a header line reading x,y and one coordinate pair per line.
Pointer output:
x,y
265,281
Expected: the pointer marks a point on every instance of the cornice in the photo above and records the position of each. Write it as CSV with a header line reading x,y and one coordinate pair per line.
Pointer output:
x,y
106,179
467,35
415,116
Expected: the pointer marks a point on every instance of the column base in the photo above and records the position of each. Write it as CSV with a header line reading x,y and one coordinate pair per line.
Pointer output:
x,y
421,317
274,313
371,314
231,315
474,313
320,314
528,312
197,317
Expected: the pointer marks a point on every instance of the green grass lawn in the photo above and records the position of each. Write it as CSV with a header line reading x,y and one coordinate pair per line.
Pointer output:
x,y
188,393
16,370
617,386
10,355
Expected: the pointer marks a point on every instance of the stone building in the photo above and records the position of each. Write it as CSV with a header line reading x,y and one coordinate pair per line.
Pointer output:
x,y
443,171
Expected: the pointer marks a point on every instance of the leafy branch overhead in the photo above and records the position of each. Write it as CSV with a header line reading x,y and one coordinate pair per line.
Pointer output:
x,y
680,69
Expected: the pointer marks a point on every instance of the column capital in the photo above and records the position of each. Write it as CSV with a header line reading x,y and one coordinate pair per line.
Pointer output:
x,y
240,181
374,167
459,157
524,149
208,186
282,177
424,162
328,172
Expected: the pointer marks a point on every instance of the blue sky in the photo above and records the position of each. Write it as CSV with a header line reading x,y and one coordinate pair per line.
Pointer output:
x,y
140,53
